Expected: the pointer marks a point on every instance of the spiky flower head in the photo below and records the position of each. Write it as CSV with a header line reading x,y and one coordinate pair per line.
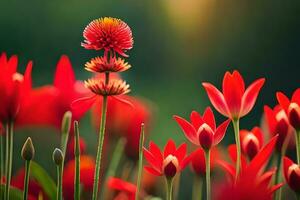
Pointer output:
x,y
103,64
112,88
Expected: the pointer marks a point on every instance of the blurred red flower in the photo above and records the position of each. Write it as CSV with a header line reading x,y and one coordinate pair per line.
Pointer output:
x,y
126,190
109,34
202,130
169,162
235,102
291,173
251,141
14,87
87,168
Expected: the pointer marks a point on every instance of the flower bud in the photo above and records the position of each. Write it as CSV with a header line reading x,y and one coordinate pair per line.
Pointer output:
x,y
170,166
66,122
294,177
294,115
250,145
206,136
28,151
58,157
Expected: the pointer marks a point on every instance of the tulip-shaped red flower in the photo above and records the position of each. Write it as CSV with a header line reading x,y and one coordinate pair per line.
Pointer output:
x,y
291,107
291,173
126,190
251,141
167,163
202,129
235,101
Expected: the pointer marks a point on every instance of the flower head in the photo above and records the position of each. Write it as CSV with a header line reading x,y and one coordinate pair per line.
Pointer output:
x,y
114,87
109,34
251,141
169,162
235,101
103,64
202,129
291,173
127,190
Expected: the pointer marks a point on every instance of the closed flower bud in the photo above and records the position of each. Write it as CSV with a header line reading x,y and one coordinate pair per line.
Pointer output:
x,y
58,156
66,122
250,145
291,173
294,115
28,151
170,166
206,136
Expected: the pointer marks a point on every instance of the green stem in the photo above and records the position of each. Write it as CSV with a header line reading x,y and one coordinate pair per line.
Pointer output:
x,y
59,183
169,188
26,180
236,128
140,169
208,184
77,163
197,188
9,157
278,176
100,144
297,136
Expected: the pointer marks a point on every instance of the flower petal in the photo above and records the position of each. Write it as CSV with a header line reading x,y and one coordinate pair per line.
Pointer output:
x,y
187,129
181,152
152,171
170,148
82,105
296,96
250,96
64,76
259,135
217,99
283,101
286,165
153,148
196,120
155,163
209,118
220,132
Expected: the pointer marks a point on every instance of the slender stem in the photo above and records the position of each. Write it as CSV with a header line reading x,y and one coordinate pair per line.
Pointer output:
x,y
26,180
9,157
297,136
176,186
140,169
169,194
100,144
77,163
59,183
278,176
197,188
208,184
236,128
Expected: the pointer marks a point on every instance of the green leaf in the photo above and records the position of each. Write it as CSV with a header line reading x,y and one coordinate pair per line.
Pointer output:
x,y
44,180
14,193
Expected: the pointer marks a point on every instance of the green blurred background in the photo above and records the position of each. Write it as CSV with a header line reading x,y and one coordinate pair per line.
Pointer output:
x,y
178,44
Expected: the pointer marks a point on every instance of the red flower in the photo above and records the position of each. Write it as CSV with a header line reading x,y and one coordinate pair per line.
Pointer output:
x,y
277,123
169,162
253,182
235,102
291,107
202,130
127,190
291,173
56,99
103,64
109,34
14,87
198,160
251,141
87,168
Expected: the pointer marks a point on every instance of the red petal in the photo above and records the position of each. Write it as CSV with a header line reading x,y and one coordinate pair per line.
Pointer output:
x,y
232,150
123,100
283,101
12,64
217,99
250,96
64,78
181,152
220,132
187,129
209,118
296,96
170,148
155,163
3,61
286,165
233,90
270,118
82,105
27,76
275,187
265,179
196,120
228,168
259,135
185,162
152,171
153,148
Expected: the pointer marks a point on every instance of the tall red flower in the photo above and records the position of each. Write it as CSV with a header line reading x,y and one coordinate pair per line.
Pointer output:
x,y
87,168
278,123
126,190
167,163
109,34
202,129
235,101
291,173
291,107
14,87
251,141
